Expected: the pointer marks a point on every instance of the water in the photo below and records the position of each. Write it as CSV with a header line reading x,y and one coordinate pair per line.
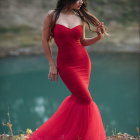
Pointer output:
x,y
30,98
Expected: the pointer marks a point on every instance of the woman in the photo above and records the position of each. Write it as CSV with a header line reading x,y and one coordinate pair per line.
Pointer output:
x,y
78,116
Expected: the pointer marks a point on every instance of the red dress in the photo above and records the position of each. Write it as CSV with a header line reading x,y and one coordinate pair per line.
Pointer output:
x,y
78,117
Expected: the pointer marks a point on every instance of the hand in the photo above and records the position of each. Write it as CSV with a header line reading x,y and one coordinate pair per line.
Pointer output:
x,y
53,73
100,30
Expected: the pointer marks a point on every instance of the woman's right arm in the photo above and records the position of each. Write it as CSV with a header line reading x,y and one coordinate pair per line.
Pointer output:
x,y
45,37
53,73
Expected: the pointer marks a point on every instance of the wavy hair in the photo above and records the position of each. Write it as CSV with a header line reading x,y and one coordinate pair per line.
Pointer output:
x,y
83,13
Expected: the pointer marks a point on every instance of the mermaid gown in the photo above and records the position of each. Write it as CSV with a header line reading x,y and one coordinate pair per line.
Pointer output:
x,y
78,117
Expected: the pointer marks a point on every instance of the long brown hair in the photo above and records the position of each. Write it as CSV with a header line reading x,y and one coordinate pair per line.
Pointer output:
x,y
83,13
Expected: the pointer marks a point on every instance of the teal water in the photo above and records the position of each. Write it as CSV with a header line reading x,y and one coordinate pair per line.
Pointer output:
x,y
30,98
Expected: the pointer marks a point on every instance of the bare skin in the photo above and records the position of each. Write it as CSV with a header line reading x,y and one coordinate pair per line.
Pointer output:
x,y
69,19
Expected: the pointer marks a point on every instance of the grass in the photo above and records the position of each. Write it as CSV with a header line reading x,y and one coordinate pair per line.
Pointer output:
x,y
19,36
115,135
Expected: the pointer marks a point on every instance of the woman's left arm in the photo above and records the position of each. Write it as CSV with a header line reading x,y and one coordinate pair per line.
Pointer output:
x,y
90,41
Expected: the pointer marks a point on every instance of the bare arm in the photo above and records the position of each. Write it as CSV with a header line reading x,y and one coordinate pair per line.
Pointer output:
x,y
45,38
53,73
89,41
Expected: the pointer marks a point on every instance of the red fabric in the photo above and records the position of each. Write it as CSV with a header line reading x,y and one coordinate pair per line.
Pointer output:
x,y
78,117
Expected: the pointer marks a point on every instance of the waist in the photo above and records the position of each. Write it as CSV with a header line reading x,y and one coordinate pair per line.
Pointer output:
x,y
70,49
73,57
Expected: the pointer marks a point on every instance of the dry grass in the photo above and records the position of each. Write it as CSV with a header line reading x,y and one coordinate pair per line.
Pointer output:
x,y
28,132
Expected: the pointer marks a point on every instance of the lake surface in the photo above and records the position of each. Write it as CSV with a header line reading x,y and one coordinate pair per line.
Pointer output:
x,y
30,98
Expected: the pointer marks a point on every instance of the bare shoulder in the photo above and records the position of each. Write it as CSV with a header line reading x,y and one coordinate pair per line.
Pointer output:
x,y
48,17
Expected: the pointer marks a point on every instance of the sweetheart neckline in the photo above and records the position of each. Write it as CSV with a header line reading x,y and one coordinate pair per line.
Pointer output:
x,y
68,27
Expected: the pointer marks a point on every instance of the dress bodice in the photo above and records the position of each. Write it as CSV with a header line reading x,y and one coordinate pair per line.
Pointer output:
x,y
66,38
70,49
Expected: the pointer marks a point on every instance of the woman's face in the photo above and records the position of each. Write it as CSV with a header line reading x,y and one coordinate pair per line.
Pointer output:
x,y
77,4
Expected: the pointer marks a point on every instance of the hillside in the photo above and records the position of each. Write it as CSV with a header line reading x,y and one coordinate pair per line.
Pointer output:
x,y
21,24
